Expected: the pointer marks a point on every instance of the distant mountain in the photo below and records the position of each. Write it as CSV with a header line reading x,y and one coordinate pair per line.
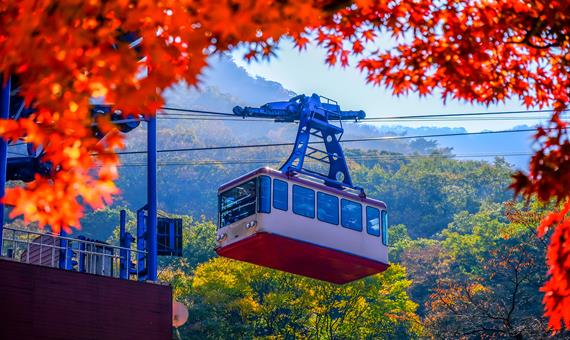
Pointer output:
x,y
188,181
517,144
224,74
225,85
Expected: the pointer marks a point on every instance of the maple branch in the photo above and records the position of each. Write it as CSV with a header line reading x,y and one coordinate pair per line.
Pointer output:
x,y
513,299
544,47
483,329
535,32
486,312
336,5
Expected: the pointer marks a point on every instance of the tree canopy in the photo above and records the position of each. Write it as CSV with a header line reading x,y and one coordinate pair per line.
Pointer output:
x,y
480,277
485,259
228,298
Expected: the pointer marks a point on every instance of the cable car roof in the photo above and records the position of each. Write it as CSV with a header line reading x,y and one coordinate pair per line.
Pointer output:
x,y
304,182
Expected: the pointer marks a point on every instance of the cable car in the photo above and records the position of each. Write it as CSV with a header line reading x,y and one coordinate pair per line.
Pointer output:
x,y
302,221
299,226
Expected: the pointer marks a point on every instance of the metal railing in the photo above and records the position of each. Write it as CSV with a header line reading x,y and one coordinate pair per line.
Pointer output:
x,y
76,254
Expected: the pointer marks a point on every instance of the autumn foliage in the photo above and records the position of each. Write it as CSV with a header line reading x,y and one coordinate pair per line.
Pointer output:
x,y
65,52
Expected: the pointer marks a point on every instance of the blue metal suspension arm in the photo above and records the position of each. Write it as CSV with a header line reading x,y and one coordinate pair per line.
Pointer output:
x,y
314,115
292,110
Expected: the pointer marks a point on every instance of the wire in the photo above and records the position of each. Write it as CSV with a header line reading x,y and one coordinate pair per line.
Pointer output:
x,y
226,147
207,115
386,118
379,157
461,114
16,153
271,120
460,119
369,139
466,119
198,111
203,162
204,115
213,118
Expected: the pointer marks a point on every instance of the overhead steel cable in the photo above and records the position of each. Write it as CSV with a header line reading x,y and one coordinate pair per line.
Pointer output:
x,y
470,114
368,139
400,117
210,115
236,119
205,115
198,111
223,147
365,158
466,119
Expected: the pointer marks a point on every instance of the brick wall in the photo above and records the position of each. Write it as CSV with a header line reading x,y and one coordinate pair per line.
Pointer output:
x,y
44,303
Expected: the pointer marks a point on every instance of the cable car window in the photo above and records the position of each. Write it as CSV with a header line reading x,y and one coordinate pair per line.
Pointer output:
x,y
264,197
327,208
303,201
237,203
373,221
351,215
280,198
384,227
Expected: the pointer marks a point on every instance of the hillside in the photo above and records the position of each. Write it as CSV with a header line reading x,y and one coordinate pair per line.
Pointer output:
x,y
453,230
226,85
418,190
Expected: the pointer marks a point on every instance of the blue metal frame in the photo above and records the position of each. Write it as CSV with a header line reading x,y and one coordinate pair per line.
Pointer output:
x,y
151,201
4,114
65,252
314,115
81,261
125,240
142,269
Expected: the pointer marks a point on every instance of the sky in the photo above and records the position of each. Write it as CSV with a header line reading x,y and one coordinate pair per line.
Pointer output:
x,y
306,72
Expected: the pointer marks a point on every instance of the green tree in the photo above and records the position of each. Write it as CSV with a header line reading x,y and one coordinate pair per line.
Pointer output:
x,y
235,299
489,286
100,224
426,193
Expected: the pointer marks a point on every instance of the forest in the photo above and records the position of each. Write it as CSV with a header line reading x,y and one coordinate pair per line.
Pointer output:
x,y
465,258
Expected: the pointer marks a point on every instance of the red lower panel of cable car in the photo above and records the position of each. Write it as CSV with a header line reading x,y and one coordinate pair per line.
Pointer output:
x,y
301,258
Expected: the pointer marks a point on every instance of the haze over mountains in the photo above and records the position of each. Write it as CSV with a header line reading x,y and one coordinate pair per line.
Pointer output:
x,y
226,85
187,179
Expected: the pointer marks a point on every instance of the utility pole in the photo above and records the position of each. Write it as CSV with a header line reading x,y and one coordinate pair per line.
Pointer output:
x,y
152,200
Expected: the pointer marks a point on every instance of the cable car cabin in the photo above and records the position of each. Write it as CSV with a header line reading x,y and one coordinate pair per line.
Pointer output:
x,y
302,227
